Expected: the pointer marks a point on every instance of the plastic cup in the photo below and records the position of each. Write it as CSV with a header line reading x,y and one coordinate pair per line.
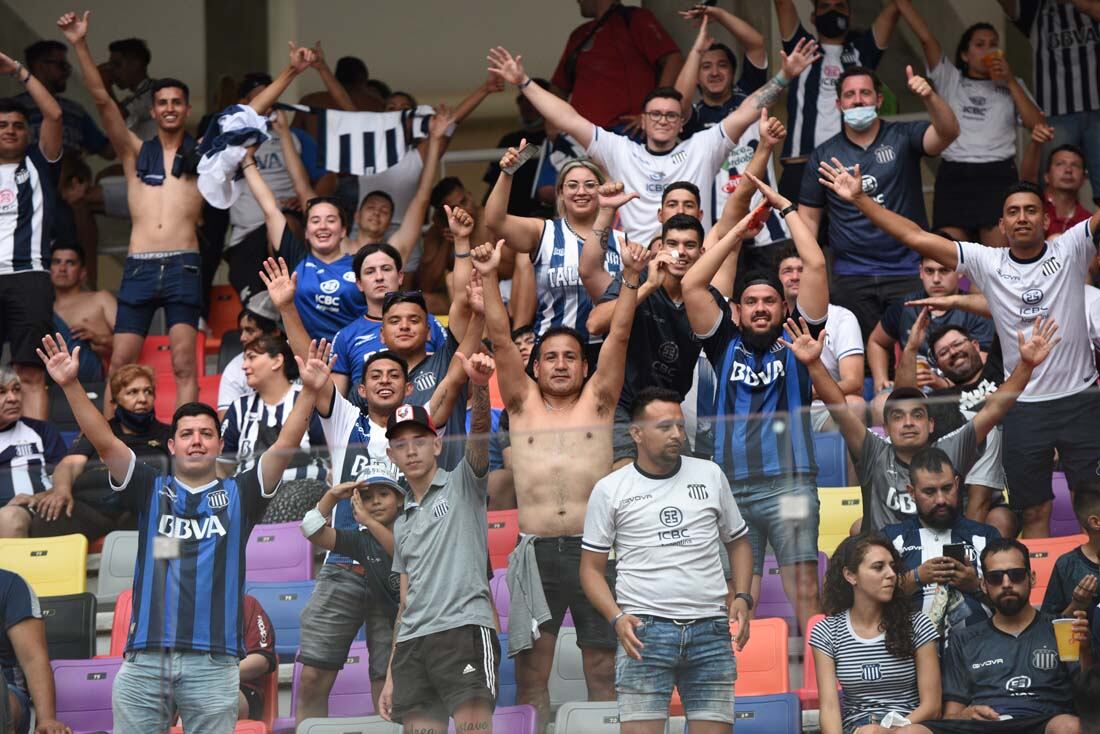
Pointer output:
x,y
1069,650
994,54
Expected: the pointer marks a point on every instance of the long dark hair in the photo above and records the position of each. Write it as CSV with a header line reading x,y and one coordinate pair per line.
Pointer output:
x,y
839,596
964,43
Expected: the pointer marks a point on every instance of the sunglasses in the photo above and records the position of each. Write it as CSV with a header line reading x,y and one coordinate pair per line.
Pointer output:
x,y
395,297
1015,575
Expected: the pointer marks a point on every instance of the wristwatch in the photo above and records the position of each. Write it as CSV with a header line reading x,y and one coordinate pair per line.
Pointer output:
x,y
787,210
747,598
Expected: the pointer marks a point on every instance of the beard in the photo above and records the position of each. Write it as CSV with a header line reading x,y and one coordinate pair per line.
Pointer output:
x,y
942,522
965,372
761,341
1011,606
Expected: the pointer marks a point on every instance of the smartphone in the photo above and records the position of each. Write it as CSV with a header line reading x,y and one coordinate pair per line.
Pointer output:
x,y
956,551
529,152
760,216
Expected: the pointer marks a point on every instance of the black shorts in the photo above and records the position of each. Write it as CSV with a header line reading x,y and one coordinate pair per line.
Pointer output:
x,y
255,703
26,314
970,195
245,261
435,674
1020,725
559,561
1032,431
622,443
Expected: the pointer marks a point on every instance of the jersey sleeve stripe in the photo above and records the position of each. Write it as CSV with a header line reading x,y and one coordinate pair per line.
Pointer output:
x,y
595,548
129,474
743,530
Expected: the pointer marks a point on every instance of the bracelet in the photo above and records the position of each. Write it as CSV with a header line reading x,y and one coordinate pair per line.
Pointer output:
x,y
248,165
616,618
782,80
462,254
787,210
523,84
26,79
916,576
631,287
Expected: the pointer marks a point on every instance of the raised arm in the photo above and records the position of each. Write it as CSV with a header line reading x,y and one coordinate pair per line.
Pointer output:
x,y
269,205
975,303
49,134
945,126
933,51
688,78
314,373
751,41
906,373
315,524
519,233
63,368
479,368
524,300
787,15
1030,114
702,311
884,25
515,385
462,313
555,110
300,59
491,85
801,57
333,86
404,239
849,187
607,381
125,143
594,273
1032,353
1032,160
303,187
281,284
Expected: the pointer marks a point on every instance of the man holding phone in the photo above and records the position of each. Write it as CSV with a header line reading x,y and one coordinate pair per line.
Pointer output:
x,y
940,546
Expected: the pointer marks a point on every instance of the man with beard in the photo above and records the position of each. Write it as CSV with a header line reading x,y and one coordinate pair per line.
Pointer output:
x,y
944,587
1003,675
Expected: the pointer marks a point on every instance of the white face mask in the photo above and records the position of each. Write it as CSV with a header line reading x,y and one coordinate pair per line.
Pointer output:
x,y
860,118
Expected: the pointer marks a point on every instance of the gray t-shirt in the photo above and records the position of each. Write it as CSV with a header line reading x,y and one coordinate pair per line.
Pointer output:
x,y
883,476
441,544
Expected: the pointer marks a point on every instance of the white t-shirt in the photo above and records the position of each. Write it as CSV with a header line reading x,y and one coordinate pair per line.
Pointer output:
x,y
667,533
828,115
728,177
1092,314
842,338
1049,285
986,112
233,383
696,159
246,215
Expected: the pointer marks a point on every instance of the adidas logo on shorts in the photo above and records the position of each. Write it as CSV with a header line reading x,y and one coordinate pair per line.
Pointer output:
x,y
468,669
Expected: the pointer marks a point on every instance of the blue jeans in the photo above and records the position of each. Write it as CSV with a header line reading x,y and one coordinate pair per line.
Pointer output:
x,y
772,518
152,684
696,657
1083,130
172,281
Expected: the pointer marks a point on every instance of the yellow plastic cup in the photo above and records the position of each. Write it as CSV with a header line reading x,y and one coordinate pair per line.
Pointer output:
x,y
1069,650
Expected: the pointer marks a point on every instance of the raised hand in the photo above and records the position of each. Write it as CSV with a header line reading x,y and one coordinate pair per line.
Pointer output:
x,y
511,156
1042,133
74,27
772,131
493,84
301,58
475,293
848,186
918,85
773,197
62,365
658,268
440,122
1035,350
359,510
611,195
804,53
505,66
279,123
636,258
459,221
8,65
486,258
479,367
344,490
318,56
279,281
703,41
805,348
315,369
919,331
1084,592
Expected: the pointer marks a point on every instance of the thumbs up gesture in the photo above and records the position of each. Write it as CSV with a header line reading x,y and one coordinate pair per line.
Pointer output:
x,y
918,85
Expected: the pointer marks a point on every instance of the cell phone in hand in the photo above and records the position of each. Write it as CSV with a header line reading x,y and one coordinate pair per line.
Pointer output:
x,y
529,152
955,551
760,216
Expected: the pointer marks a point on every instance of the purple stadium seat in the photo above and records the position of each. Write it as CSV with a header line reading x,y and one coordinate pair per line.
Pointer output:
x,y
773,600
1062,519
498,587
350,695
84,693
278,552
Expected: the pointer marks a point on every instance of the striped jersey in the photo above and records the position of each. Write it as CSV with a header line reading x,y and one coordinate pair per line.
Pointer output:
x,y
27,204
762,422
562,299
1065,61
27,447
812,114
363,337
874,681
251,426
193,601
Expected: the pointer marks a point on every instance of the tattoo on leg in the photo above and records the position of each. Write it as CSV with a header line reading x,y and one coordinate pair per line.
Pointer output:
x,y
474,726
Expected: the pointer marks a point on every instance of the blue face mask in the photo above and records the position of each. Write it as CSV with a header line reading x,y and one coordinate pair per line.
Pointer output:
x,y
860,118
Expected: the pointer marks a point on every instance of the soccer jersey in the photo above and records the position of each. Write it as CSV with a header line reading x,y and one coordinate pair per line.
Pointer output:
x,y
251,426
383,583
363,337
1049,286
883,477
917,543
1065,63
424,378
890,166
812,114
986,114
562,298
842,339
192,601
898,320
874,681
668,534
28,200
18,603
696,159
761,427
327,297
1069,569
1018,675
27,448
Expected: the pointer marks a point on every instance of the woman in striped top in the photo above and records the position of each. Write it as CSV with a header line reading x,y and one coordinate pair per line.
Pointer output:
x,y
881,654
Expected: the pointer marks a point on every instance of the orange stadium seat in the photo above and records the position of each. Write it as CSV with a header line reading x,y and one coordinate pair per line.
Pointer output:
x,y
120,624
157,353
503,536
1044,552
225,309
807,694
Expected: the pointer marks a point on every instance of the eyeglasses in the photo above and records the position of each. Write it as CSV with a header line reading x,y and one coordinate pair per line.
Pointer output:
x,y
655,116
1015,575
948,348
575,186
394,297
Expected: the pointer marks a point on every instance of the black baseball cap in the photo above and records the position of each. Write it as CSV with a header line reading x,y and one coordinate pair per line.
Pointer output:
x,y
406,415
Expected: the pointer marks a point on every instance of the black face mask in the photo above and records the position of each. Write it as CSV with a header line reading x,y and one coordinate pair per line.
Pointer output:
x,y
137,422
831,24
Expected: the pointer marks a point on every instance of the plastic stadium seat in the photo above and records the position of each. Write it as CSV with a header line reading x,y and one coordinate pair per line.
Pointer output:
x,y
498,587
116,565
503,536
506,674
1044,552
283,601
832,463
361,725
514,720
120,623
164,404
156,353
777,714
208,389
807,694
351,692
773,600
567,672
225,308
278,552
1062,520
52,566
271,698
230,348
83,689
61,415
241,727
587,717
70,625
840,507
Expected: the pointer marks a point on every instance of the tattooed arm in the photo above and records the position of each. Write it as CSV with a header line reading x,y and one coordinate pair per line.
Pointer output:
x,y
803,55
477,440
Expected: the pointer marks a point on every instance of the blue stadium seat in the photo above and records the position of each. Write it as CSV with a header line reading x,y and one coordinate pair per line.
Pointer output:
x,y
283,601
832,464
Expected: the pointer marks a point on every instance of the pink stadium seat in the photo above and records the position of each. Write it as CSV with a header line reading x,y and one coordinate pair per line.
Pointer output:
x,y
1062,520
278,552
1044,552
503,535
83,689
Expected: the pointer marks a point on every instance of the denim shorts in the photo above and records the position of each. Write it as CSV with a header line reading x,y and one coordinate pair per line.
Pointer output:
x,y
172,281
696,657
786,515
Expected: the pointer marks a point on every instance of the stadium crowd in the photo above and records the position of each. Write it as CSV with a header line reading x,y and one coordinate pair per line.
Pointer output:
x,y
636,347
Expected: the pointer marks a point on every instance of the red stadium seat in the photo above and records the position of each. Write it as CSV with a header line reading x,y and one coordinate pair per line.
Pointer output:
x,y
807,694
225,309
1044,552
120,626
503,536
156,353
165,403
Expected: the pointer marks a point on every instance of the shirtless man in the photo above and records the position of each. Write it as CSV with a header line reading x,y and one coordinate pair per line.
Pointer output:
x,y
561,437
85,318
163,266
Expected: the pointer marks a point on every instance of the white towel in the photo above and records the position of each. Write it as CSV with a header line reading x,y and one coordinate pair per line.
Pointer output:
x,y
218,181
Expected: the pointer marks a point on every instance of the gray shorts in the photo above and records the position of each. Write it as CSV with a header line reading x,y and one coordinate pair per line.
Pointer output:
x,y
340,605
987,471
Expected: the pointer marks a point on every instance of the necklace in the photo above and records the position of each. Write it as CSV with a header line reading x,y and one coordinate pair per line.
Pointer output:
x,y
570,228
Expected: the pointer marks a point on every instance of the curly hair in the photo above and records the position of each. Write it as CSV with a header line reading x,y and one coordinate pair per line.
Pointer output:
x,y
839,596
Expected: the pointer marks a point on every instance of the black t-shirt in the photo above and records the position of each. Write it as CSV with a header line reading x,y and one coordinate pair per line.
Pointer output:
x,y
384,585
663,349
951,407
150,447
